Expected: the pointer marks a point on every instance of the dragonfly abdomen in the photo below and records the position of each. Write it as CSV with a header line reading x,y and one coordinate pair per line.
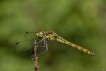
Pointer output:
x,y
62,40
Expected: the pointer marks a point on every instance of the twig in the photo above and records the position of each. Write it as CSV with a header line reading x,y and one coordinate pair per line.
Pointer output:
x,y
35,56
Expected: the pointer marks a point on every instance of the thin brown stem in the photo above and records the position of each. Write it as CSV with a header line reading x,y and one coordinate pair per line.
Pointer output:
x,y
35,56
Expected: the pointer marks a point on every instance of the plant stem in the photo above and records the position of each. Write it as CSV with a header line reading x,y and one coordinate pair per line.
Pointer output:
x,y
35,56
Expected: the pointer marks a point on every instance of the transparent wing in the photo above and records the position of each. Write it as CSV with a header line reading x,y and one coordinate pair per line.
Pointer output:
x,y
42,48
52,45
26,48
23,47
30,35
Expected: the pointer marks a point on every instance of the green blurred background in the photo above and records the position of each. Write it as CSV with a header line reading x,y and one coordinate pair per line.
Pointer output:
x,y
82,22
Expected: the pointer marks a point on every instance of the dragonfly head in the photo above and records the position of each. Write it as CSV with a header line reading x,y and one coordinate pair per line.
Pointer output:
x,y
40,33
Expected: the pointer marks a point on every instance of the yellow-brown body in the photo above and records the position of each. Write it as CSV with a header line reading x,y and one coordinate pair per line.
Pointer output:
x,y
50,35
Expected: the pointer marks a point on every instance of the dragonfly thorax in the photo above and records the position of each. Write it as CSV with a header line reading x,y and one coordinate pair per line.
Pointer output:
x,y
50,37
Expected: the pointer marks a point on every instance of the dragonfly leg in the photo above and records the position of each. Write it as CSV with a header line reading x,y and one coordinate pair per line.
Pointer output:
x,y
44,45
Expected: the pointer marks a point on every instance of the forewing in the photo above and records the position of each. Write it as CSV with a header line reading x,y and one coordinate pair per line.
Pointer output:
x,y
26,47
30,35
23,47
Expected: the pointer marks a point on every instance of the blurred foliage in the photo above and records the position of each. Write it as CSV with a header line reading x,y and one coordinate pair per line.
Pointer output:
x,y
79,21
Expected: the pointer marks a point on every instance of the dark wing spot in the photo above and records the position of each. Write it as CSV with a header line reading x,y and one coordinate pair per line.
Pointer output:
x,y
27,51
37,40
26,32
16,43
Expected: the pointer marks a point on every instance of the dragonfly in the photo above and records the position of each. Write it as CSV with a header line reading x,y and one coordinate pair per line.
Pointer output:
x,y
50,35
46,36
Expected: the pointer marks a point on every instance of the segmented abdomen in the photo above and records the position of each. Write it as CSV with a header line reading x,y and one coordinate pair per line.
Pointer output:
x,y
62,40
